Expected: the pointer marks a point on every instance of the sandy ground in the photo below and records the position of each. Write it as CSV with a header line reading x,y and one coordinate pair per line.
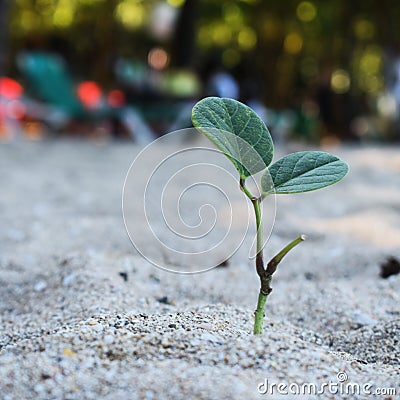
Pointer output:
x,y
71,326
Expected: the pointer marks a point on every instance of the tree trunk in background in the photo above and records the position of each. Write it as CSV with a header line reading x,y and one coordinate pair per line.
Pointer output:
x,y
4,8
105,39
184,42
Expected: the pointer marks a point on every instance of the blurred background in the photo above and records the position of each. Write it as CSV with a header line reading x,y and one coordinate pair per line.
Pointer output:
x,y
314,70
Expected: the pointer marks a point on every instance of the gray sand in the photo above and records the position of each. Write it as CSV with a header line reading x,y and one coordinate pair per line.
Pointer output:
x,y
72,328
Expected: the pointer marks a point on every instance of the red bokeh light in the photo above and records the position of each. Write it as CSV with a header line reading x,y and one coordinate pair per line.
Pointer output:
x,y
89,93
10,89
116,98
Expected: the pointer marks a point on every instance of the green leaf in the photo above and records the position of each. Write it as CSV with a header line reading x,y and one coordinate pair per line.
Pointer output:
x,y
302,172
237,131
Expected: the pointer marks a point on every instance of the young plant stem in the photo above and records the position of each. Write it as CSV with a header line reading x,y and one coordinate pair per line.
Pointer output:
x,y
265,280
265,274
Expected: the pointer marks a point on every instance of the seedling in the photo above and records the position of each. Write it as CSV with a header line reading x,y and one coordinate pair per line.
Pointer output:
x,y
243,137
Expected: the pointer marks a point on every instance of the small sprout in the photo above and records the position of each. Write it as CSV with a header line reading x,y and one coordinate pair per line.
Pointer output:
x,y
243,137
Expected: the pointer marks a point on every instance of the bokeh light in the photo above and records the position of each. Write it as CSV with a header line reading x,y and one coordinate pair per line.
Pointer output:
x,y
306,11
364,29
10,89
368,69
63,17
176,3
247,38
130,13
293,43
28,21
386,105
221,34
340,81
116,98
233,15
89,93
158,58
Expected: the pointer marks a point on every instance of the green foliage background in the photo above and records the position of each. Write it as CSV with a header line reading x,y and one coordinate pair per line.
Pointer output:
x,y
288,47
